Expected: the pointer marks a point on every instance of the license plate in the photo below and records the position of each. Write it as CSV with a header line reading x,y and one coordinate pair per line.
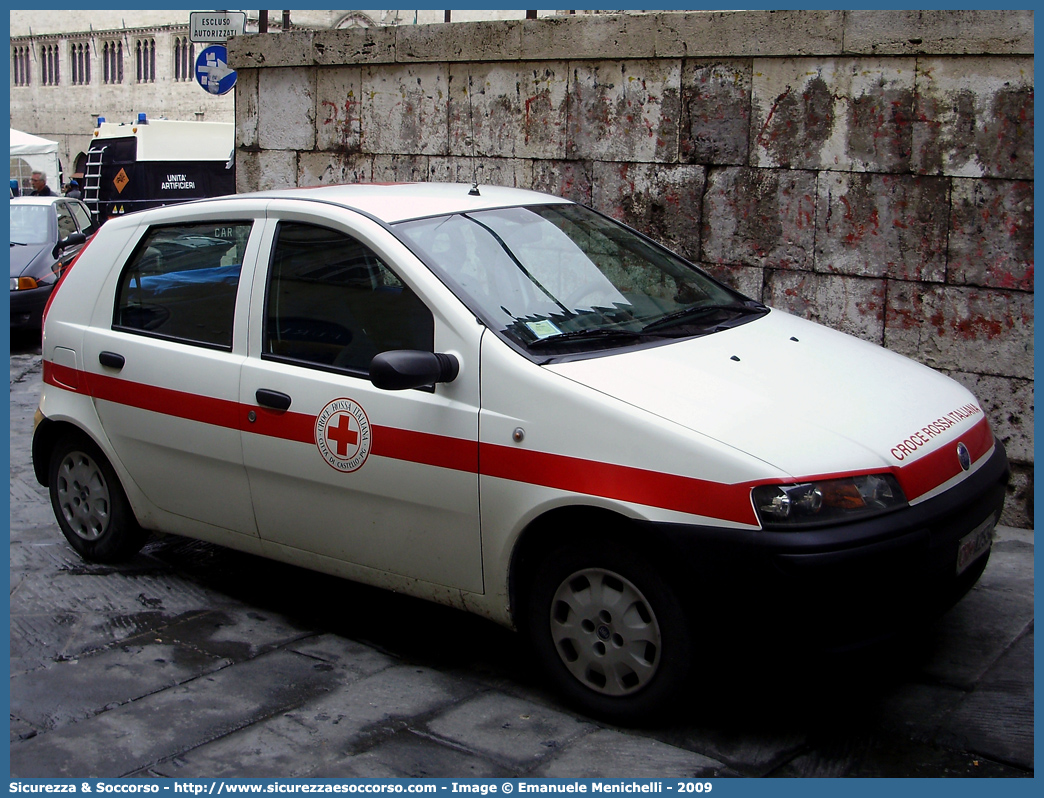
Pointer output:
x,y
975,544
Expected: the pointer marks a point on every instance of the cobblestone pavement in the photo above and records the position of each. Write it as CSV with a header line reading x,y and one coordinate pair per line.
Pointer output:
x,y
196,661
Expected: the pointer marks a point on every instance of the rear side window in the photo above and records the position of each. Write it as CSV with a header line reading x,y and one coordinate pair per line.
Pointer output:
x,y
82,217
181,283
333,303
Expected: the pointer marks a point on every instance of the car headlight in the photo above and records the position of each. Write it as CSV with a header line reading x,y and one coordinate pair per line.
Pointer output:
x,y
23,283
831,500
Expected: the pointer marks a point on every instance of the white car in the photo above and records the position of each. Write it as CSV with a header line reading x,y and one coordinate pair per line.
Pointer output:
x,y
511,404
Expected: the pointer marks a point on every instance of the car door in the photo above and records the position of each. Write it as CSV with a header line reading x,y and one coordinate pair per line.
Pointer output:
x,y
165,355
67,225
384,480
83,217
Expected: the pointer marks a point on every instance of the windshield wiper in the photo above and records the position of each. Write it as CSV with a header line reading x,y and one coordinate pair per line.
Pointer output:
x,y
691,314
590,334
18,244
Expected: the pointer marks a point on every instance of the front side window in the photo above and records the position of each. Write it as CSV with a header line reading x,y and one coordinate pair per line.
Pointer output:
x,y
181,283
562,279
66,222
333,303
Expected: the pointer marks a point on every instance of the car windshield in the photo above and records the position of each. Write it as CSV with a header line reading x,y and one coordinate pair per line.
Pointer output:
x,y
30,224
562,278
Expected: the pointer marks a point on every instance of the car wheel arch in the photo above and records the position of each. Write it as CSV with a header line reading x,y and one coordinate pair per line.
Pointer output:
x,y
45,436
578,522
48,432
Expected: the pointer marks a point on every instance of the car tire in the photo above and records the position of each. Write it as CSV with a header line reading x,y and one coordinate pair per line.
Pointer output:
x,y
608,630
89,503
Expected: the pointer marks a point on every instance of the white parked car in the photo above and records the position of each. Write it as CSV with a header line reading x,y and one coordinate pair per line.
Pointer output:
x,y
511,404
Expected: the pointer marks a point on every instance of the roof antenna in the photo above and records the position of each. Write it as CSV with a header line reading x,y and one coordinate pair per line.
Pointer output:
x,y
471,120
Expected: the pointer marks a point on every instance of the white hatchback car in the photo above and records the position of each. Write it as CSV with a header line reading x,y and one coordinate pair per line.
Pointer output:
x,y
511,404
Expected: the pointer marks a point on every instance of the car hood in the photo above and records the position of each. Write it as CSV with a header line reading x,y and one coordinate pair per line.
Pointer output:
x,y
22,257
801,397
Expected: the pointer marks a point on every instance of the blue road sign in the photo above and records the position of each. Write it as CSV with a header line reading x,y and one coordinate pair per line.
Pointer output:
x,y
212,71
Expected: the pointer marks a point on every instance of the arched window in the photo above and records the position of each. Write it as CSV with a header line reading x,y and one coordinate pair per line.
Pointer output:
x,y
20,66
145,60
49,65
112,61
80,63
184,58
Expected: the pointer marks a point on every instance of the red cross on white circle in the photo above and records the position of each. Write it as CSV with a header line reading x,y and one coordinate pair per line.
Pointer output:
x,y
342,435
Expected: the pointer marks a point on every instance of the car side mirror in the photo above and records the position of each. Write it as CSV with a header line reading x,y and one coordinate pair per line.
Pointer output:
x,y
401,369
70,240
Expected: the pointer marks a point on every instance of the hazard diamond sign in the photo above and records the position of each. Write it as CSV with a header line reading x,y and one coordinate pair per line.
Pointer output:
x,y
120,181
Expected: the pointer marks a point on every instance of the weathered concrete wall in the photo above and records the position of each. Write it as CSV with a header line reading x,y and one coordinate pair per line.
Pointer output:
x,y
871,170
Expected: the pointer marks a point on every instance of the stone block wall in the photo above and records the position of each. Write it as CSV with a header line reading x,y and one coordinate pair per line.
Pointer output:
x,y
870,170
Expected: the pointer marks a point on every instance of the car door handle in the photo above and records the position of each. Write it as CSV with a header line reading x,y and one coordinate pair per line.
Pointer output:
x,y
112,360
273,399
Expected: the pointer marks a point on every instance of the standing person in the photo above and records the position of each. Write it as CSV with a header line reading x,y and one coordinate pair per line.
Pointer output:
x,y
73,190
38,180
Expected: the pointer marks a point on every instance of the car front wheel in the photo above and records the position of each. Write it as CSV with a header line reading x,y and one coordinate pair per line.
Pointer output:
x,y
609,630
89,503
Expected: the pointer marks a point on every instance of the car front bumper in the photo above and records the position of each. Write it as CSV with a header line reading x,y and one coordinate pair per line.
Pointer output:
x,y
844,584
27,307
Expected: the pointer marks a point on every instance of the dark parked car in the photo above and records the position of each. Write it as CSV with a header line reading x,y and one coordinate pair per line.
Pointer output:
x,y
46,234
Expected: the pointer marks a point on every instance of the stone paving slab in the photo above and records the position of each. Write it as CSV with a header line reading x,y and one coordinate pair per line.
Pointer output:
x,y
77,689
346,718
996,719
612,754
517,733
132,736
412,754
963,647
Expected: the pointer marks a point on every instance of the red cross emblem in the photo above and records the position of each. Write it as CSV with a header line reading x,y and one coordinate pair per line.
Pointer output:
x,y
343,435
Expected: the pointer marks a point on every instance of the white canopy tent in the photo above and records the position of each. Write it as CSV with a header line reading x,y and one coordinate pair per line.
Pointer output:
x,y
31,154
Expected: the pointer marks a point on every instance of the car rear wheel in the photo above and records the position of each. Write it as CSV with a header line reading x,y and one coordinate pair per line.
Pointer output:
x,y
608,630
89,503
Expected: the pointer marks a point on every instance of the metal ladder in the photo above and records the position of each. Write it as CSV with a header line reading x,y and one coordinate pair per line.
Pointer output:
x,y
92,181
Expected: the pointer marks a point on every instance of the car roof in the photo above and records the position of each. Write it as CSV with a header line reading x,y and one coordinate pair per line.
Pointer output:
x,y
397,202
26,200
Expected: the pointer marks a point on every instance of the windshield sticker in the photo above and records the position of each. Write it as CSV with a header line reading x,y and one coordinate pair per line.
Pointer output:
x,y
342,433
543,329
